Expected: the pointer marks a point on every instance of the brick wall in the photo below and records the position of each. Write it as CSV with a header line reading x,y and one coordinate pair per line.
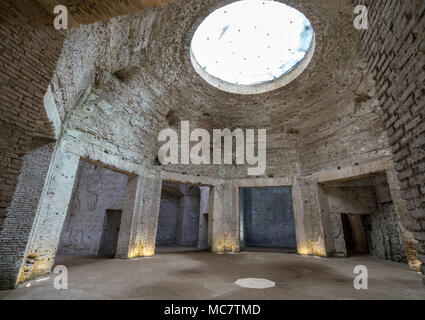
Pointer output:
x,y
29,49
394,46
19,223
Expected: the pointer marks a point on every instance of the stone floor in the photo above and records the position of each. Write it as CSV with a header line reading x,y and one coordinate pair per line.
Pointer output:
x,y
202,275
160,249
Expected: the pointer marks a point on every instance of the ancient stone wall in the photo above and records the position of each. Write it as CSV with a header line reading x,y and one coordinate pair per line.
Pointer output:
x,y
369,197
352,198
96,190
321,120
14,235
188,222
29,50
356,136
386,224
168,217
267,217
117,81
394,50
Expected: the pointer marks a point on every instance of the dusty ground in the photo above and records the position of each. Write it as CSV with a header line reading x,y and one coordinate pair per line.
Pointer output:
x,y
202,275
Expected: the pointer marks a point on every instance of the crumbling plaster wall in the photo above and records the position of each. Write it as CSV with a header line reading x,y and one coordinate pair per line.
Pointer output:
x,y
95,191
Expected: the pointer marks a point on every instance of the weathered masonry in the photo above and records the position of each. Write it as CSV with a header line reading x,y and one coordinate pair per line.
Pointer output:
x,y
81,110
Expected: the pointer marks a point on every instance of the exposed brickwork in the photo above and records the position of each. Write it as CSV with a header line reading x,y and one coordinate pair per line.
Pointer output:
x,y
15,233
326,118
50,215
333,96
29,49
84,12
395,50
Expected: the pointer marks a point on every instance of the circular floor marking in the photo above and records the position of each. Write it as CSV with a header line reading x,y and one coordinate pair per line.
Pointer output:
x,y
253,283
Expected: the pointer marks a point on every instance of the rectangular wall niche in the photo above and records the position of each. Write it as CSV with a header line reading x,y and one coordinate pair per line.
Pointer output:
x,y
267,218
183,218
94,215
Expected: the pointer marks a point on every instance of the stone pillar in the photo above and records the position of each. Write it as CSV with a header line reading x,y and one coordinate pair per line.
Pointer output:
x,y
326,222
203,221
139,220
30,236
308,220
405,220
224,218
130,215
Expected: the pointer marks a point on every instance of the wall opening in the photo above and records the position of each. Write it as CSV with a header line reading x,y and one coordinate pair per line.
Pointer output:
x,y
183,218
93,221
267,219
111,229
254,46
363,219
355,238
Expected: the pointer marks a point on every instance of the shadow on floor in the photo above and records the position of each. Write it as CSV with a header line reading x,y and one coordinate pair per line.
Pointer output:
x,y
267,249
175,249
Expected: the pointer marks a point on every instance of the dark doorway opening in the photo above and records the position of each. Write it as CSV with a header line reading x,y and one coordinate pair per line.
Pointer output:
x,y
111,229
181,224
267,219
363,219
355,235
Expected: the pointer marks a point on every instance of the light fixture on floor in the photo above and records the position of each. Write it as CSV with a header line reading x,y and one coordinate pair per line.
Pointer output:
x,y
254,283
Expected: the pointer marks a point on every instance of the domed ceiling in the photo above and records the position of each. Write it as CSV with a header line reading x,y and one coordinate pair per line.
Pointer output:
x,y
140,64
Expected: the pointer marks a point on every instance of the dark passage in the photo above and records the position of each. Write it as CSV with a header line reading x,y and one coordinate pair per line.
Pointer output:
x,y
354,234
267,218
178,224
111,229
